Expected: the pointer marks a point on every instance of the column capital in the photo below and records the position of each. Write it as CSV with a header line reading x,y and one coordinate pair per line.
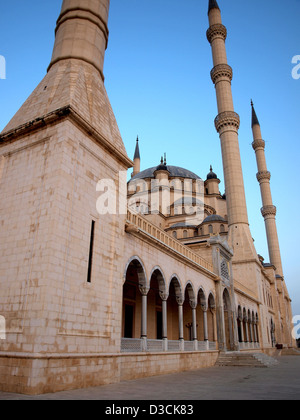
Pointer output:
x,y
163,295
216,31
143,289
179,300
193,303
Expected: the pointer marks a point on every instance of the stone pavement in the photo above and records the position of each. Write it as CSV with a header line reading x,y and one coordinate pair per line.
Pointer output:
x,y
281,382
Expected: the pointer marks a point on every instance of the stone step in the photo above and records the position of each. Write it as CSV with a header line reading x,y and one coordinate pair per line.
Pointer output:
x,y
246,359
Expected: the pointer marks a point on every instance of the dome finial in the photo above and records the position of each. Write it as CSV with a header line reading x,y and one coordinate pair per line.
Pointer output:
x,y
211,175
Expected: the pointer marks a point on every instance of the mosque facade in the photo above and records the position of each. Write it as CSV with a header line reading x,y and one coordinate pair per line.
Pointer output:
x,y
104,280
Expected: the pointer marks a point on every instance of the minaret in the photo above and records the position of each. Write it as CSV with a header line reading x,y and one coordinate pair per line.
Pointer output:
x,y
136,160
74,82
227,125
268,210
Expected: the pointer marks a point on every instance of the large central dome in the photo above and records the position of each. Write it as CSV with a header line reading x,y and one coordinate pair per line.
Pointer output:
x,y
175,172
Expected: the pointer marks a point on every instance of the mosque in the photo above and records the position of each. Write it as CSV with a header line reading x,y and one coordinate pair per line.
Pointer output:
x,y
91,297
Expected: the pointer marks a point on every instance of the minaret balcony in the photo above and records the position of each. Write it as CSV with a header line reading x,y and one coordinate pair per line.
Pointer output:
x,y
264,175
227,119
221,72
216,31
258,144
268,211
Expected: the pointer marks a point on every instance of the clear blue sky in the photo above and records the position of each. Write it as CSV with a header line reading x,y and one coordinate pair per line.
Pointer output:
x,y
157,70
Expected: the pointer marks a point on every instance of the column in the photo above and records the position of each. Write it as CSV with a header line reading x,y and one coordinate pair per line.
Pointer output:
x,y
164,298
205,328
242,329
194,326
180,322
144,291
246,330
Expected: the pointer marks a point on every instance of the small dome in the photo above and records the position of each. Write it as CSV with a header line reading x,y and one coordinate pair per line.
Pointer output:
x,y
175,172
211,175
214,218
182,225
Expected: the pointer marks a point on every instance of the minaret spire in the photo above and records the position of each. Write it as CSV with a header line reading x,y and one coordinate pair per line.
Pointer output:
x,y
268,210
136,159
254,116
213,5
227,125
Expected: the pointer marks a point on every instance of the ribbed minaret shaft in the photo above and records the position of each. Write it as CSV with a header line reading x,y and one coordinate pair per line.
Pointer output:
x,y
227,122
81,32
268,210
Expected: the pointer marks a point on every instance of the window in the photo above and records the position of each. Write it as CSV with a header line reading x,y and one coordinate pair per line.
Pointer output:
x,y
175,235
210,229
185,234
89,275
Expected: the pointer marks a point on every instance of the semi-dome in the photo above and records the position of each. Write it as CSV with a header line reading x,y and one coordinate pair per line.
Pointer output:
x,y
175,172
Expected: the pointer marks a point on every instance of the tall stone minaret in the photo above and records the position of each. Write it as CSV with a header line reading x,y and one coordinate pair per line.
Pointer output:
x,y
74,81
227,124
268,210
66,247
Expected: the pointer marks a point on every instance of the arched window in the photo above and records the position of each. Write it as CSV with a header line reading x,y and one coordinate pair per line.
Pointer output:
x,y
210,229
185,234
222,228
175,234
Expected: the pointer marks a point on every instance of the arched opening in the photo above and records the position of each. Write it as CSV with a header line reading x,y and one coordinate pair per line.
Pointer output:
x,y
211,323
175,296
201,307
135,280
250,327
245,323
227,320
272,330
154,306
240,324
256,327
189,302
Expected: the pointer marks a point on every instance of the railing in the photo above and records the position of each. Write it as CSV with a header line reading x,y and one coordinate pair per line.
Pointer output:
x,y
131,345
135,345
147,227
189,346
249,346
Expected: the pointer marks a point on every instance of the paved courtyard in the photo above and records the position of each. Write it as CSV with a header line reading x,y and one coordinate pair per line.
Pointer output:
x,y
281,382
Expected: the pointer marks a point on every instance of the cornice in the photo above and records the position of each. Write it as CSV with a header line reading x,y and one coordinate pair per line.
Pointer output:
x,y
57,116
